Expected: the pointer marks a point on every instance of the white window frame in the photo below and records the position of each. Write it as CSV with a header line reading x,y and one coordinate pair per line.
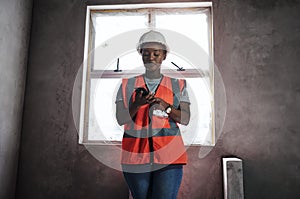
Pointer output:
x,y
84,107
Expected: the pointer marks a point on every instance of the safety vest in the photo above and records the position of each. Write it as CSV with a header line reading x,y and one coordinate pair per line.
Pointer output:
x,y
150,138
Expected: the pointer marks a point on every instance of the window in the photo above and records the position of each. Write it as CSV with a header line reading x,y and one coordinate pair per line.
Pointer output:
x,y
112,33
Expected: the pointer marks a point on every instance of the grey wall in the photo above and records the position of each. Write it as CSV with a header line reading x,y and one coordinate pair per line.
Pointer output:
x,y
257,48
257,52
15,17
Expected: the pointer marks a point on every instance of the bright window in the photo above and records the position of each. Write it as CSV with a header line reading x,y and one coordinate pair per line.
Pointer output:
x,y
112,33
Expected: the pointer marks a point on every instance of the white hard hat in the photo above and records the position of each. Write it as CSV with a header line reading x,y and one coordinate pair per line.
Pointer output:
x,y
152,37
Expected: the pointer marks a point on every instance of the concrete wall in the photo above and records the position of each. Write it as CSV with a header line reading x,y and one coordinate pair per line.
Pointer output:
x,y
15,17
257,52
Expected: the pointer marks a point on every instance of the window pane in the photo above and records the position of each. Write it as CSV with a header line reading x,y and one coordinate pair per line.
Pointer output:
x,y
102,120
199,129
192,25
103,125
108,26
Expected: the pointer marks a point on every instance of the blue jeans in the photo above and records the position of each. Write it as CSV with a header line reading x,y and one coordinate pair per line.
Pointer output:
x,y
160,184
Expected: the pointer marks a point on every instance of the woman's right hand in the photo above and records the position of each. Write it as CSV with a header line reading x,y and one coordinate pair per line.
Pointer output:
x,y
141,100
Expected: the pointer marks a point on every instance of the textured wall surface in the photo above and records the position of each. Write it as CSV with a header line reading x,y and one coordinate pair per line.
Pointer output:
x,y
257,53
257,48
15,17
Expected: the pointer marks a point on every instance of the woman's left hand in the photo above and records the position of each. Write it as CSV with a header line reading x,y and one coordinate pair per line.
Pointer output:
x,y
162,103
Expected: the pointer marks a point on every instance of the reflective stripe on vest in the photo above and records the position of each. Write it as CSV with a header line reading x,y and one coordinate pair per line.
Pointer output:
x,y
150,138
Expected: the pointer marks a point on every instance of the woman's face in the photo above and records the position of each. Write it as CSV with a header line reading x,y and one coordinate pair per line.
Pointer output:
x,y
153,55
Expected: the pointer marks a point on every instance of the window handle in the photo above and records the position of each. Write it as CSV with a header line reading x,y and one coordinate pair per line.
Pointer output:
x,y
117,70
179,68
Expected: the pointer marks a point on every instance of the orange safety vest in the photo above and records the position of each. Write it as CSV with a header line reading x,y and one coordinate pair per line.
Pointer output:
x,y
149,138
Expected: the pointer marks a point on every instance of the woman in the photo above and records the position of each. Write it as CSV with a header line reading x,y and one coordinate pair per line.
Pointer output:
x,y
150,106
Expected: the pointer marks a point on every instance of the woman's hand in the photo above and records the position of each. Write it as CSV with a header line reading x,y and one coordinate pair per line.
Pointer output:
x,y
162,103
141,100
180,114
